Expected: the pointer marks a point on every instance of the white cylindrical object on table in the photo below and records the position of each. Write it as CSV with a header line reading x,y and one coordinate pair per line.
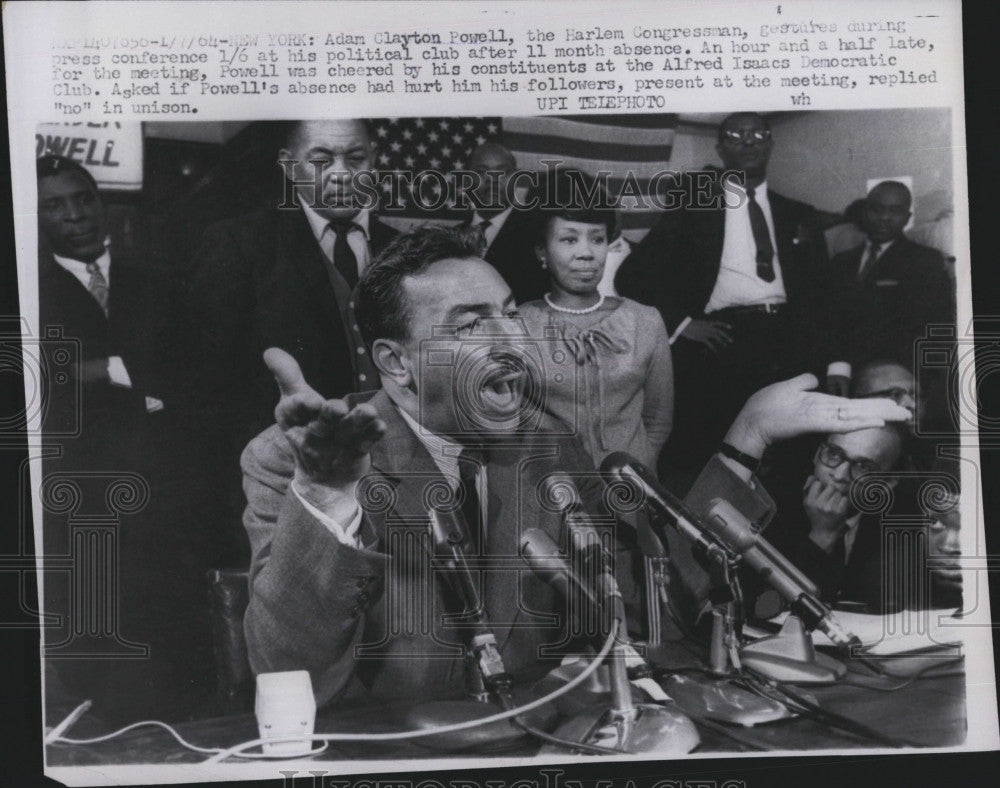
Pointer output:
x,y
285,706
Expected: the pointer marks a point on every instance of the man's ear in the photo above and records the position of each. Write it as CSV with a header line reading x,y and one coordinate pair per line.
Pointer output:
x,y
392,360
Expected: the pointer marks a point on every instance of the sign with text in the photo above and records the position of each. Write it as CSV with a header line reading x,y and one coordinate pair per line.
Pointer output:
x,y
111,151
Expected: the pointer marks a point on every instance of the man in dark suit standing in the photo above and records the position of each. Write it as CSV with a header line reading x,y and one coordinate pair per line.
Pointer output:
x,y
733,271
112,438
284,277
889,289
75,294
506,231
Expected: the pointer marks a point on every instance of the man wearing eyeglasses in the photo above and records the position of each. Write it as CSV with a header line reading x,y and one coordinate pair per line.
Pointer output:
x,y
735,283
821,531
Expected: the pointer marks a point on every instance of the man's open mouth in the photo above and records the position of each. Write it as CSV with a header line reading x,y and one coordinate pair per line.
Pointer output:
x,y
503,382
501,391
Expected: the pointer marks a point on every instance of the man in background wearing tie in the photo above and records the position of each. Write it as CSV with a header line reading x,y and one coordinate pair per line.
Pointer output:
x,y
102,305
733,271
819,529
507,232
889,289
283,277
106,429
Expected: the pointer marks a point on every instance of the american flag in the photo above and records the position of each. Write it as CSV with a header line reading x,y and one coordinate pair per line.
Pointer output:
x,y
414,145
633,147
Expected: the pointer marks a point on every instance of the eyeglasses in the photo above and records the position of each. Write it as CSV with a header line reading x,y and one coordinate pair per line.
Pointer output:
x,y
747,135
833,457
897,394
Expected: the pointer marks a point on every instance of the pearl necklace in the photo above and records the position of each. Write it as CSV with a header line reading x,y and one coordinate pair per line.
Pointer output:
x,y
568,311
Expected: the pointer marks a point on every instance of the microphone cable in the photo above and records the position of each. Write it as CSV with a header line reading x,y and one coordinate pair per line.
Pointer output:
x,y
906,680
237,750
548,738
180,740
816,712
219,754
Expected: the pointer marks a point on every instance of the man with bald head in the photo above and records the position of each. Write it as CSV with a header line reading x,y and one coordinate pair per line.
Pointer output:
x,y
506,232
889,289
819,527
283,277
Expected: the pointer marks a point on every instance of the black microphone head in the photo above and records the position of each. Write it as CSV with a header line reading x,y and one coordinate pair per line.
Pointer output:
x,y
549,563
617,460
448,529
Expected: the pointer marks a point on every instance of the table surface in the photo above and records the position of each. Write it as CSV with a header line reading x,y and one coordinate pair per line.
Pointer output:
x,y
929,712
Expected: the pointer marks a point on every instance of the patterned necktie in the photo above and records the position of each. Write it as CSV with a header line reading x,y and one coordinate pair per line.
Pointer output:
x,y
869,261
483,226
761,238
98,286
344,259
469,462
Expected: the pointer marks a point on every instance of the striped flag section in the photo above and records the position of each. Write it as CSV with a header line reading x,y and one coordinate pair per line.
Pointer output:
x,y
630,148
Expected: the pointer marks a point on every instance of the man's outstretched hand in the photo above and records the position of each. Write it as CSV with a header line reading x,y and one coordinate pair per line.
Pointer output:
x,y
330,440
790,408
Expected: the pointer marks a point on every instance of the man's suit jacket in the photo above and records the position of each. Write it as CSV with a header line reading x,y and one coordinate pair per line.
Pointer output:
x,y
344,613
512,253
261,281
882,316
160,545
66,306
675,266
883,569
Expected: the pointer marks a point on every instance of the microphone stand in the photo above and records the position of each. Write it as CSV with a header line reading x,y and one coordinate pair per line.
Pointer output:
x,y
627,725
487,682
719,698
788,656
725,537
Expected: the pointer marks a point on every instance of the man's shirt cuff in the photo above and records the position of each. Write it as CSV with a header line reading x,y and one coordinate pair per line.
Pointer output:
x,y
680,329
342,508
117,373
839,368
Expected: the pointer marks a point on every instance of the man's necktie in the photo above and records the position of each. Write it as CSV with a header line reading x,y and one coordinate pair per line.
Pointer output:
x,y
344,259
98,286
840,551
469,463
483,226
761,238
869,261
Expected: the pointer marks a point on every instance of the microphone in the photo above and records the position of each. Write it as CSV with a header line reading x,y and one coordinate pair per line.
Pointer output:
x,y
542,554
559,489
623,467
624,724
726,533
450,536
733,527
